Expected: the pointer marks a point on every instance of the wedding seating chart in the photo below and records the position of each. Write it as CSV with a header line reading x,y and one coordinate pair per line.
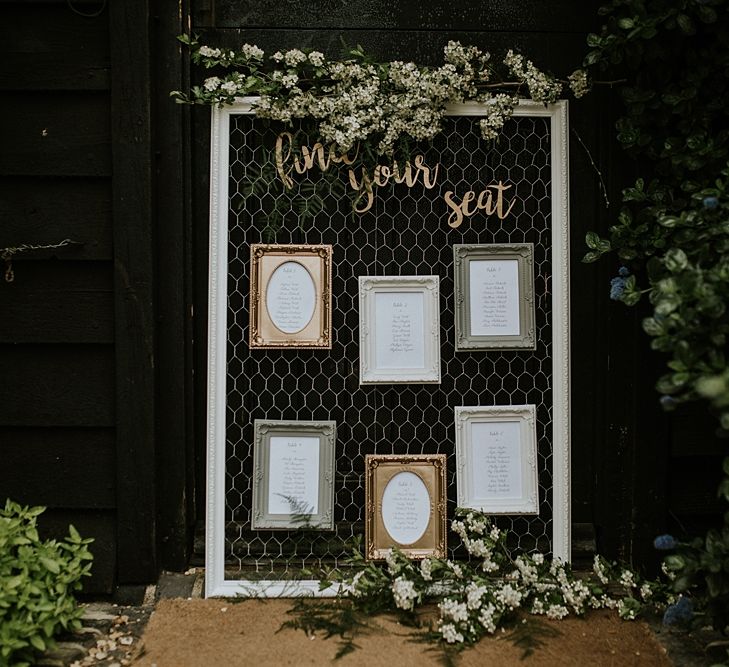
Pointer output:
x,y
406,508
291,297
293,475
494,297
496,458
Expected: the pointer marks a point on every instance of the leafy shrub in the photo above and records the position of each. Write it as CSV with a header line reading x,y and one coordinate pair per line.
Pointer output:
x,y
37,581
701,568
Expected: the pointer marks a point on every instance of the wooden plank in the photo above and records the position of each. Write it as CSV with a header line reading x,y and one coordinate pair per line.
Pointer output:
x,y
440,15
51,385
176,454
52,48
59,468
58,302
99,524
134,290
560,52
45,211
63,134
694,432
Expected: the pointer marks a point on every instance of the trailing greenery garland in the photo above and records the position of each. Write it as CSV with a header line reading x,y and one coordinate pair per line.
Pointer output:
x,y
493,589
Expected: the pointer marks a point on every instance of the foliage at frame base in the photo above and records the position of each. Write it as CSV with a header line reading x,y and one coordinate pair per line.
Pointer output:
x,y
37,584
494,589
700,568
672,234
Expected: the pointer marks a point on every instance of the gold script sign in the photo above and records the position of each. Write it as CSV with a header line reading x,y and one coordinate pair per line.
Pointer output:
x,y
491,199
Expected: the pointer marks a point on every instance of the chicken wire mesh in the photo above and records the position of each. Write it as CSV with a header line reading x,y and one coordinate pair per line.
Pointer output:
x,y
404,233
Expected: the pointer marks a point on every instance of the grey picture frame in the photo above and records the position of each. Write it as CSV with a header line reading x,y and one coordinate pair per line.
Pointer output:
x,y
263,515
463,257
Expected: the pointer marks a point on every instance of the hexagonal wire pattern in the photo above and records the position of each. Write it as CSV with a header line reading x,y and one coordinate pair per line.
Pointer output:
x,y
405,233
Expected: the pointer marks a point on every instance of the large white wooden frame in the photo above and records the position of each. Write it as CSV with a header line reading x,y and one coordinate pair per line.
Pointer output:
x,y
216,584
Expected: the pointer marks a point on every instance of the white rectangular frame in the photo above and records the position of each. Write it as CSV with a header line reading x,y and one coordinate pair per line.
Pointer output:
x,y
369,288
526,417
216,585
261,516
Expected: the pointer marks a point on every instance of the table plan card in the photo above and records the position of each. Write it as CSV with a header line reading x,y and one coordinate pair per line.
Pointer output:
x,y
494,296
496,470
400,332
399,329
496,459
406,508
405,505
290,297
293,474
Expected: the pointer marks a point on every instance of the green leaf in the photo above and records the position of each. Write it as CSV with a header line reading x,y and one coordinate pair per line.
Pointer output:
x,y
626,23
37,642
686,24
50,564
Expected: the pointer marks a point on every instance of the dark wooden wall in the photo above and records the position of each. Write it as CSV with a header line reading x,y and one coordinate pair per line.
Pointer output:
x,y
101,418
94,337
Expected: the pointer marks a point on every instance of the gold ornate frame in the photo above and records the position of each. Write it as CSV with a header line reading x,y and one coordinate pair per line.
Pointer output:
x,y
379,470
265,260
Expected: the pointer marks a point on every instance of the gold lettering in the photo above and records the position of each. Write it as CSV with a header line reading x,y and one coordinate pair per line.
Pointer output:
x,y
381,176
456,217
422,167
467,199
484,202
501,188
367,184
281,159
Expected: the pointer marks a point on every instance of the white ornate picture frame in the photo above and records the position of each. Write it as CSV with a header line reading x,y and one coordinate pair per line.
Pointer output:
x,y
496,459
217,583
399,329
293,475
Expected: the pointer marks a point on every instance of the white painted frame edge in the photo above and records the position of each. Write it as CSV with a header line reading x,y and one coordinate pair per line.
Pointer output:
x,y
526,415
215,582
429,286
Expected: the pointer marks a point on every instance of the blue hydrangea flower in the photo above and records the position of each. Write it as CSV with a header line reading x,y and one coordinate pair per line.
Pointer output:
x,y
617,288
679,613
711,202
664,543
667,402
623,271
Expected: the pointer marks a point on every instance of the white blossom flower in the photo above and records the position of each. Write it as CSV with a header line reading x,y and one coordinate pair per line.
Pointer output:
x,y
450,634
426,569
627,579
211,83
278,56
454,610
557,611
207,52
509,596
542,88
294,57
252,51
486,618
229,87
598,567
316,58
578,83
474,594
646,592
404,593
